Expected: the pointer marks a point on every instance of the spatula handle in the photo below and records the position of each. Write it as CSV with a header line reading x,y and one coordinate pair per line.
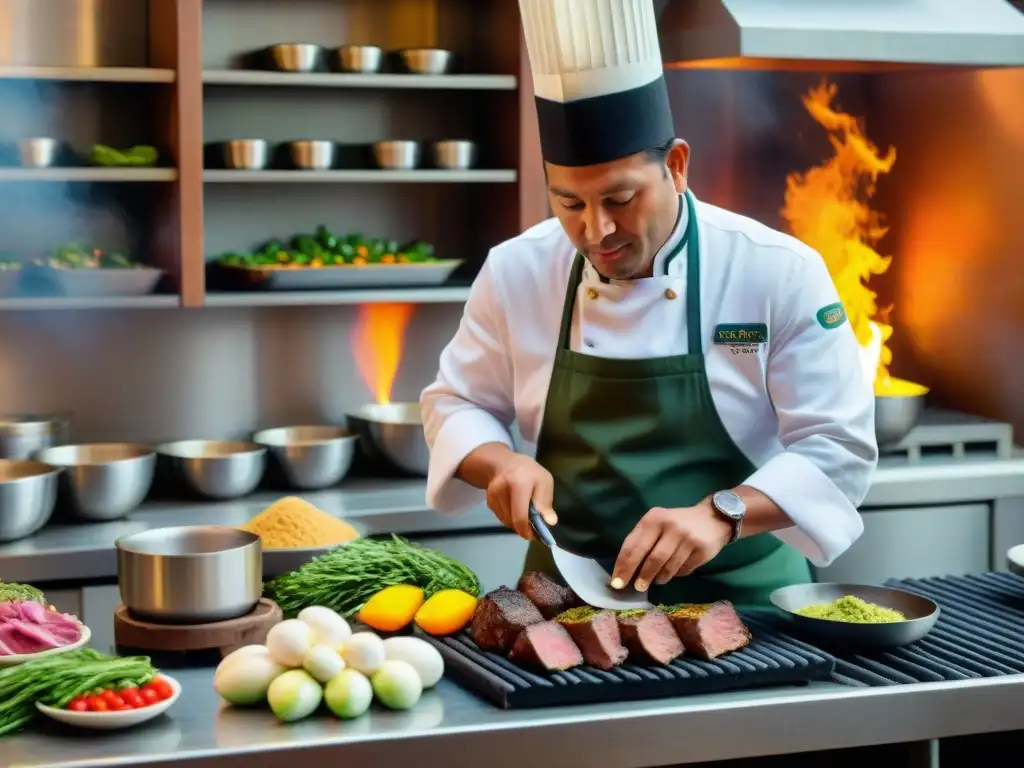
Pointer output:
x,y
540,528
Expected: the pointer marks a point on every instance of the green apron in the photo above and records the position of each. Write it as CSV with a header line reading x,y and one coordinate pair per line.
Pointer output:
x,y
621,436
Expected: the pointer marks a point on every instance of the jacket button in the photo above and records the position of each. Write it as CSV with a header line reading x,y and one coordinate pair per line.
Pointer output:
x,y
592,293
670,294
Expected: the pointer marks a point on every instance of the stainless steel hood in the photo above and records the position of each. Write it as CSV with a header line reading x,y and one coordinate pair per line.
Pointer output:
x,y
840,35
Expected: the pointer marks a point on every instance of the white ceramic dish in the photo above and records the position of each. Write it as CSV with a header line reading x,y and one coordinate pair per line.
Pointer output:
x,y
1015,559
113,721
21,658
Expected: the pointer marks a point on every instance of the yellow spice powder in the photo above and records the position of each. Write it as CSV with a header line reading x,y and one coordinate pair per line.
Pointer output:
x,y
292,523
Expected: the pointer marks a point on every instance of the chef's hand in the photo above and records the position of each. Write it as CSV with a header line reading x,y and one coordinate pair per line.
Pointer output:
x,y
670,542
518,481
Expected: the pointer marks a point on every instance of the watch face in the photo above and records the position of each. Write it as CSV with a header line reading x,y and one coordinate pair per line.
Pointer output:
x,y
729,504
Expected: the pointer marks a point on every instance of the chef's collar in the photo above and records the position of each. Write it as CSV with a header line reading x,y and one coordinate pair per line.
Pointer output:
x,y
660,268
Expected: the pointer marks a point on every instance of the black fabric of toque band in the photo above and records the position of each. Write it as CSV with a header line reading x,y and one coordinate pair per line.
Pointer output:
x,y
605,128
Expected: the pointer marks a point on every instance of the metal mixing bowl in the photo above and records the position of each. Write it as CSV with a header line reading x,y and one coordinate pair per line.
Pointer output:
x,y
896,416
427,61
28,494
397,155
296,57
394,430
23,435
190,574
455,154
218,469
103,481
246,154
312,155
39,152
364,59
921,615
311,457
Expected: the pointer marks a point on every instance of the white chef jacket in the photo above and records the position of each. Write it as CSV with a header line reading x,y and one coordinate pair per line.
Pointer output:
x,y
798,406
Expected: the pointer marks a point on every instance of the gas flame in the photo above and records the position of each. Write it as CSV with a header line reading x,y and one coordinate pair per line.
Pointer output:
x,y
378,341
825,208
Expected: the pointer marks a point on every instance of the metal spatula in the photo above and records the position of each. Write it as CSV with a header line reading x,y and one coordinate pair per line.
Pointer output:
x,y
584,575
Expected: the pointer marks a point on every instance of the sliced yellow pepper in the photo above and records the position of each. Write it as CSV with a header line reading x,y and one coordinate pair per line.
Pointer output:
x,y
446,612
391,609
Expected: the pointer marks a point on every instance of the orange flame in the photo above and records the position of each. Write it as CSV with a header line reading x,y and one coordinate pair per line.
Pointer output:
x,y
824,209
378,341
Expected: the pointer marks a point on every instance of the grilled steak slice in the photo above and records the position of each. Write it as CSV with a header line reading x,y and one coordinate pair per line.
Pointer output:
x,y
597,635
650,635
546,645
547,594
500,617
709,630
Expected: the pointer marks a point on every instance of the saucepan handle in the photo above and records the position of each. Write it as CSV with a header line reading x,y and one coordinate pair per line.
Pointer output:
x,y
540,528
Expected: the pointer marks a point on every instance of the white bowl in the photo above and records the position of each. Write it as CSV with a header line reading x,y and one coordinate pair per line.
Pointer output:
x,y
113,721
21,658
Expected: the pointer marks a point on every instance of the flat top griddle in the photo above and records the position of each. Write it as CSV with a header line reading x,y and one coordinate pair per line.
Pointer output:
x,y
771,659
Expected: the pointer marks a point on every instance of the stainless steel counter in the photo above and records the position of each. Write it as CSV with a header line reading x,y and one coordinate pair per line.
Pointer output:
x,y
81,552
451,729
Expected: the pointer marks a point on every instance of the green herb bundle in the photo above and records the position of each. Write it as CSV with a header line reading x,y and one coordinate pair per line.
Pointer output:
x,y
56,680
13,593
345,578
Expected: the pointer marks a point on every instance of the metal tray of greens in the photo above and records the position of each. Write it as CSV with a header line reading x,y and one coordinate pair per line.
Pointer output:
x,y
324,260
80,270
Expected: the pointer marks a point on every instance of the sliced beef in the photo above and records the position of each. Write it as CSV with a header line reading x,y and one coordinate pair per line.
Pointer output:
x,y
709,630
546,645
500,617
550,597
649,635
597,635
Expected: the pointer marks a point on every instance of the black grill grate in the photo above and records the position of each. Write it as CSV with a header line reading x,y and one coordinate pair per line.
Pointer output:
x,y
771,659
980,633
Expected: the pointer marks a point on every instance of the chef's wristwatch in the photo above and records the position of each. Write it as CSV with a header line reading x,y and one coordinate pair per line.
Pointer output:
x,y
730,506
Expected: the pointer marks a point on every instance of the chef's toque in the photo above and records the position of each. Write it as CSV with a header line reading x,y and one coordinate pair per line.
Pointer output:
x,y
597,78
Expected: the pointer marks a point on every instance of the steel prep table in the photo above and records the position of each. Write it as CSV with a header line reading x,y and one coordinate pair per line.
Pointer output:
x,y
452,727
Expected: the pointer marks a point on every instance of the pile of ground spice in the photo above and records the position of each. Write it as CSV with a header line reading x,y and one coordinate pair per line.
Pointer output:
x,y
292,523
852,610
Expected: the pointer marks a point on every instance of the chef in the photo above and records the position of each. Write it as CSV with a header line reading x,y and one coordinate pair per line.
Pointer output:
x,y
702,425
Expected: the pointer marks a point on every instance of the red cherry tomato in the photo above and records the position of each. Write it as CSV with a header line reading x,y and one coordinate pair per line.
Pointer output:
x,y
133,698
113,699
97,704
162,687
149,696
78,705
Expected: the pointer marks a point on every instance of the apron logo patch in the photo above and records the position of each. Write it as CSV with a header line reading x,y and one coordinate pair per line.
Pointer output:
x,y
745,334
831,316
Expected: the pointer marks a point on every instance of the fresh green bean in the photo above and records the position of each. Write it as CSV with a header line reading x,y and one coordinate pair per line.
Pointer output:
x,y
56,680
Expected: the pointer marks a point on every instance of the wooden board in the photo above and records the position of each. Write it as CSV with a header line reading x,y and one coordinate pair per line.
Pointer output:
x,y
224,636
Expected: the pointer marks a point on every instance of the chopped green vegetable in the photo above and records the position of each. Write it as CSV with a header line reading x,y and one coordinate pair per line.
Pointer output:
x,y
11,592
140,156
324,248
56,680
345,578
852,610
85,256
575,615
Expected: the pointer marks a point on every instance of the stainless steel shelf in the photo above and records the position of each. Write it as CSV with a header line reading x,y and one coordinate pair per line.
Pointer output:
x,y
89,74
361,177
424,295
88,174
97,302
333,80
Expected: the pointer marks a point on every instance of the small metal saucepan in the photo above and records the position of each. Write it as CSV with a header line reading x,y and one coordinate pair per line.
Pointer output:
x,y
190,574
